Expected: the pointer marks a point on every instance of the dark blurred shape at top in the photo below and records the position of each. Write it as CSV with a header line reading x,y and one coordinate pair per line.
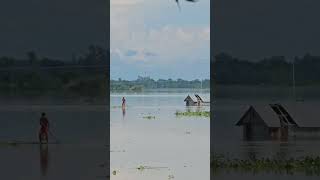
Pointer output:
x,y
257,29
54,28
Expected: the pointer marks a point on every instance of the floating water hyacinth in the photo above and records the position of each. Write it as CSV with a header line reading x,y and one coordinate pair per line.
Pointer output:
x,y
141,168
309,165
149,117
114,172
196,113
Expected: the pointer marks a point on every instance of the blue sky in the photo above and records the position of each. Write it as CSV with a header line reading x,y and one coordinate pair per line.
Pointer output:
x,y
154,38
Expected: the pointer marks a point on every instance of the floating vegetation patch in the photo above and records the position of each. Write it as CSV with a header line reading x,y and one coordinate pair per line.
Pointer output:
x,y
191,113
141,168
308,165
149,117
114,172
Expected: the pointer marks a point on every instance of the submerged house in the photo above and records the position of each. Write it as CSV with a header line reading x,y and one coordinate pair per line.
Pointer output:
x,y
274,121
200,101
190,102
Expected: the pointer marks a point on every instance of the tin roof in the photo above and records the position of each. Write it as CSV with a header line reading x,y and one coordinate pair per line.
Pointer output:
x,y
303,114
266,114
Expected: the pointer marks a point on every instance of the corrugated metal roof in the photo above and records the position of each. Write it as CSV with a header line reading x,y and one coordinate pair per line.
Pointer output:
x,y
188,98
304,114
266,114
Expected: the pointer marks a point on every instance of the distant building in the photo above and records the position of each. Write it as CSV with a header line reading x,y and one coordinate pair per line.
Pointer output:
x,y
273,121
189,101
200,101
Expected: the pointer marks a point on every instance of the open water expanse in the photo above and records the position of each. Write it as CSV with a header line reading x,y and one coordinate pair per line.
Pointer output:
x,y
228,139
81,131
165,146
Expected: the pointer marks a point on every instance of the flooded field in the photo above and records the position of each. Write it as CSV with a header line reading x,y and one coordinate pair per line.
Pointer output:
x,y
149,141
80,130
228,138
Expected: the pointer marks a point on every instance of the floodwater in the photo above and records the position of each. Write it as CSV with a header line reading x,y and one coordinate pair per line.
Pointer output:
x,y
80,130
167,146
227,138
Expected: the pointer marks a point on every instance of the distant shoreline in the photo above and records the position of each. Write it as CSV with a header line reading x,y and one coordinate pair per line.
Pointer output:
x,y
266,91
147,83
163,90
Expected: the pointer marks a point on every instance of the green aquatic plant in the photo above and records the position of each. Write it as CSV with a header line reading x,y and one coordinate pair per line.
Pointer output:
x,y
149,117
114,172
193,113
308,165
141,168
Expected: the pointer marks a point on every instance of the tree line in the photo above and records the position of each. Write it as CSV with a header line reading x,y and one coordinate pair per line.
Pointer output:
x,y
83,75
142,83
274,70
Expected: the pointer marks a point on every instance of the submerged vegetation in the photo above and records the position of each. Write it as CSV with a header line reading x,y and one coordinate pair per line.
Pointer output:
x,y
309,165
196,113
149,117
141,168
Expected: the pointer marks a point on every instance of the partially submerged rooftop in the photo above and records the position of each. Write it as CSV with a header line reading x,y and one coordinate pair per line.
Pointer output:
x,y
302,114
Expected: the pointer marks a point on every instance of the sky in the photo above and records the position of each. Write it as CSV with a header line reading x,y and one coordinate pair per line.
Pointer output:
x,y
252,29
156,39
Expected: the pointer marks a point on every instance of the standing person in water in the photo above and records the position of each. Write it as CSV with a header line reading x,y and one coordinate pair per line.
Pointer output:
x,y
123,103
44,128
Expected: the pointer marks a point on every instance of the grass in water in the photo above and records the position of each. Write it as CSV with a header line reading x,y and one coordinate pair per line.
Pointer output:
x,y
308,165
149,117
141,168
196,113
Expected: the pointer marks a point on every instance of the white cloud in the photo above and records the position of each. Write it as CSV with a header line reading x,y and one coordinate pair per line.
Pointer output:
x,y
171,42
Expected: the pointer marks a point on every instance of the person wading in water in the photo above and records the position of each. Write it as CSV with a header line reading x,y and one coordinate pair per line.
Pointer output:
x,y
44,128
123,103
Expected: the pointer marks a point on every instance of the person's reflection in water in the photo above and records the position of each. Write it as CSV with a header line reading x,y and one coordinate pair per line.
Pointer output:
x,y
123,112
123,107
44,158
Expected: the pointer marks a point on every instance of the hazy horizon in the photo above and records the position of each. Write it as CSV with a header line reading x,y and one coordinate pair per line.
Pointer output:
x,y
156,79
